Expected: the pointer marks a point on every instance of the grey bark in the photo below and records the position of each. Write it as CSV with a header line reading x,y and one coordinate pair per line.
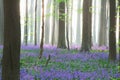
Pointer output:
x,y
35,37
47,22
42,35
26,25
31,21
1,22
86,38
53,24
78,32
11,50
67,24
103,25
61,37
119,36
112,31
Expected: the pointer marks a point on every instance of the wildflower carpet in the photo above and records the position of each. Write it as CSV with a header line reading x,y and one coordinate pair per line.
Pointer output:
x,y
65,65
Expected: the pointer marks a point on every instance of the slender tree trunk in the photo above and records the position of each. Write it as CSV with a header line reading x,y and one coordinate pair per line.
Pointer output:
x,y
112,31
47,24
31,21
35,23
42,37
71,17
67,24
53,27
86,40
11,50
78,33
61,37
1,22
103,26
94,23
119,35
26,26
39,22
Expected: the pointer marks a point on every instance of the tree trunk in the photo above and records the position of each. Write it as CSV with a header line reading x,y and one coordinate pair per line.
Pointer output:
x,y
61,37
47,23
11,50
39,22
94,38
42,37
26,26
119,35
53,26
1,22
31,21
86,40
103,26
35,23
70,22
67,25
112,31
78,31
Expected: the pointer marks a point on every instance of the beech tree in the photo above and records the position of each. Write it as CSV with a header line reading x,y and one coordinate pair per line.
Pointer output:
x,y
42,35
103,25
35,23
61,32
26,25
86,35
11,49
112,31
119,32
1,22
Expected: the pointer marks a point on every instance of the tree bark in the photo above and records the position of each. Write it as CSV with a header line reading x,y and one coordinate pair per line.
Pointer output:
x,y
26,25
1,22
53,26
67,24
61,35
42,37
103,25
119,34
78,31
112,31
35,38
47,22
86,40
11,50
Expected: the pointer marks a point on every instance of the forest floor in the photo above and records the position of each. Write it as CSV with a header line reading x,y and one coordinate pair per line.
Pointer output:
x,y
66,65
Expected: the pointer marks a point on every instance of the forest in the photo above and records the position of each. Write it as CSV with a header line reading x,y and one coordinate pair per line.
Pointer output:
x,y
59,39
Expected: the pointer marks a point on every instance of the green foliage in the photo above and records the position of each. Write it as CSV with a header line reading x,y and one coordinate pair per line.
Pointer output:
x,y
59,1
115,78
80,10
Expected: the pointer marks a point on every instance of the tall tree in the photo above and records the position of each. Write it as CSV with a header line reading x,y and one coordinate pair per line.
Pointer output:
x,y
53,25
26,25
47,22
31,21
86,35
70,21
42,37
61,34
94,38
1,22
35,23
103,25
67,24
11,50
119,32
112,31
78,31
